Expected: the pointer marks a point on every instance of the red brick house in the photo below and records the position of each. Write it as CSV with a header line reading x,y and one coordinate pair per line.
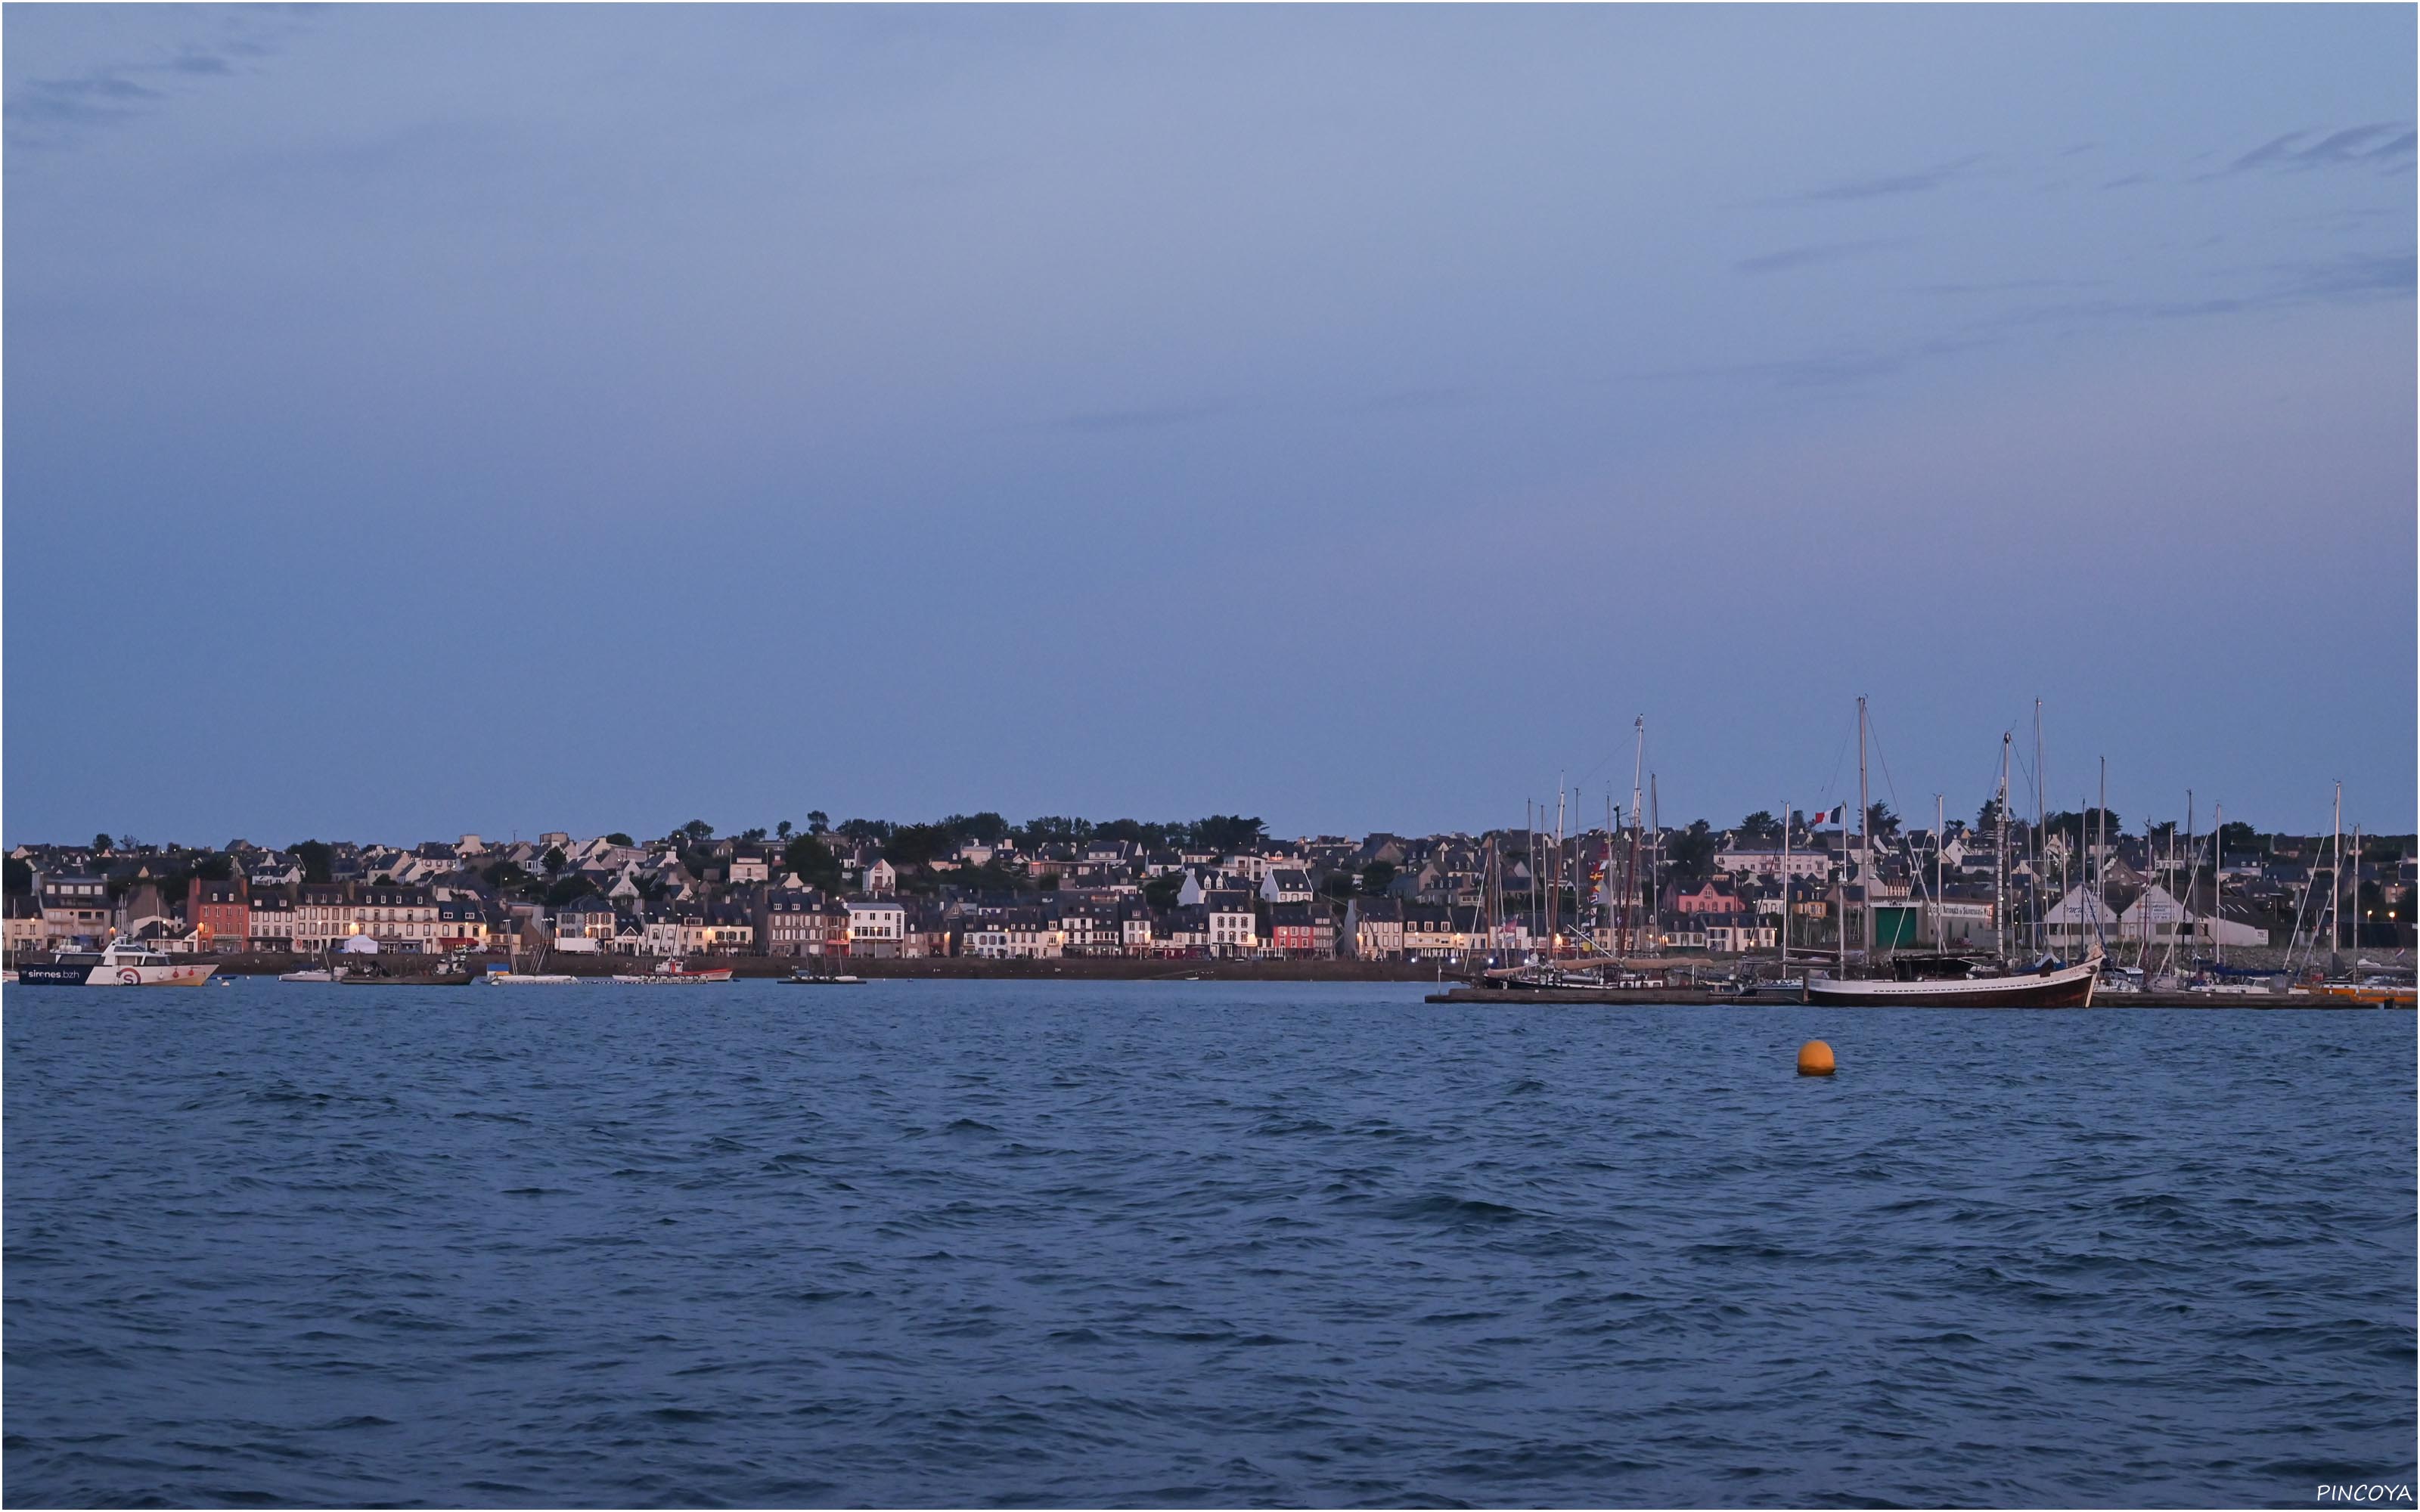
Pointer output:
x,y
222,911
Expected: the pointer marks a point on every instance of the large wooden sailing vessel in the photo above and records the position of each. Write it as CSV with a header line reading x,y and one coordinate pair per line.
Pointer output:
x,y
1945,980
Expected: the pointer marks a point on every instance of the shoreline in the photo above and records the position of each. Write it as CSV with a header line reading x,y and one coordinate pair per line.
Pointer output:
x,y
1065,968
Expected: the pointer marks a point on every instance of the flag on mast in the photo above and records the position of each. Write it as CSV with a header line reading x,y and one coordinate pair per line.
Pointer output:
x,y
1818,817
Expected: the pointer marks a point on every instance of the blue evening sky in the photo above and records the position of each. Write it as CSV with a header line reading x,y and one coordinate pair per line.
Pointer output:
x,y
422,420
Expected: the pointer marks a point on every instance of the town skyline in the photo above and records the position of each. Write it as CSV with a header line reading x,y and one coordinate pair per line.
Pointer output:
x,y
1804,819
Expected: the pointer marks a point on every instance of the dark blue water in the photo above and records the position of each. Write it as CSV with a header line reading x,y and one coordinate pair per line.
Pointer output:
x,y
976,1243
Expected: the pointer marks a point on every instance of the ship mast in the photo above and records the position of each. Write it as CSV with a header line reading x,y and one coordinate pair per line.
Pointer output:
x,y
1865,838
1654,857
2336,881
2101,832
1940,818
1785,889
1627,938
2041,817
2000,850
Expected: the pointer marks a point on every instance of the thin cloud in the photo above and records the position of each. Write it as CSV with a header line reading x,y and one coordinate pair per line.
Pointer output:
x,y
2356,279
1916,181
1813,253
58,113
90,100
2299,151
1829,370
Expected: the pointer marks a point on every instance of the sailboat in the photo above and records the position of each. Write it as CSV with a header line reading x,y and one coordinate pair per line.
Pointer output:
x,y
1947,980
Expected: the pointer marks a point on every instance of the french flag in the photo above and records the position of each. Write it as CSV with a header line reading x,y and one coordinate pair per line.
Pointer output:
x,y
1820,818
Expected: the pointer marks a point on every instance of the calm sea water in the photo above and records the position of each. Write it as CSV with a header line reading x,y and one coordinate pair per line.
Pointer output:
x,y
1193,1243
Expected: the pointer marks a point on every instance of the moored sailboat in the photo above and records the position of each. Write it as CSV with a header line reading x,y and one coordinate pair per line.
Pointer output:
x,y
1946,981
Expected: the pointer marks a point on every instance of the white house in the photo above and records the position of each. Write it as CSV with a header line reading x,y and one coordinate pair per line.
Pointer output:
x,y
1760,862
876,926
1285,885
1232,930
1022,935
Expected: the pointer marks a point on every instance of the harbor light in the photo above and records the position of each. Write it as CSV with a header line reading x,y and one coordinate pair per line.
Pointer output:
x,y
1814,1058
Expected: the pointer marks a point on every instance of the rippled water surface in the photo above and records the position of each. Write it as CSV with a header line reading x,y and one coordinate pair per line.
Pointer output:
x,y
963,1243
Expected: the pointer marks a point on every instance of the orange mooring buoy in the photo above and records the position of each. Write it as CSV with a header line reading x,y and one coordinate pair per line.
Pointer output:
x,y
1814,1058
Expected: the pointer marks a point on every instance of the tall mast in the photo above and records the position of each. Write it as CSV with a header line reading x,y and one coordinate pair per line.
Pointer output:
x,y
2217,876
1654,848
1554,897
1530,850
2000,850
1865,837
2042,816
1785,889
2101,844
1630,871
1940,821
2191,866
1840,890
2335,879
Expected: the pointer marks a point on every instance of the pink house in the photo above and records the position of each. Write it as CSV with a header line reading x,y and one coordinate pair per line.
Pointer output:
x,y
1706,898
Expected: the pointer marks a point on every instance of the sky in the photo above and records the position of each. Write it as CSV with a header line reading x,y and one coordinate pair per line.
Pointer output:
x,y
428,420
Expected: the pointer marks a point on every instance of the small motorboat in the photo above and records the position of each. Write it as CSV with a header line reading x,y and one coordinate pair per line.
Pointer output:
x,y
803,977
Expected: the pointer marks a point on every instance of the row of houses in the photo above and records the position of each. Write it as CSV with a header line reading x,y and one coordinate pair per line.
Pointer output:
x,y
1279,919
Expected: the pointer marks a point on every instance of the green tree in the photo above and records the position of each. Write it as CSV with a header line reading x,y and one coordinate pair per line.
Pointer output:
x,y
818,821
914,846
1161,891
753,836
812,862
563,890
1377,877
1228,834
1690,852
1881,822
1054,829
1987,818
318,857
19,875
618,838
984,828
552,861
781,830
100,842
1760,826
2239,838
696,830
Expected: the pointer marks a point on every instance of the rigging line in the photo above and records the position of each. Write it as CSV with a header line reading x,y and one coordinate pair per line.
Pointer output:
x,y
1876,736
1838,757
